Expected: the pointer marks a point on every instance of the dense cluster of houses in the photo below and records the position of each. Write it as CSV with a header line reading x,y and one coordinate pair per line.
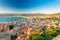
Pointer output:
x,y
24,29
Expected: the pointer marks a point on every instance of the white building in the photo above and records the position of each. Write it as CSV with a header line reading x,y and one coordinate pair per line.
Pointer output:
x,y
5,36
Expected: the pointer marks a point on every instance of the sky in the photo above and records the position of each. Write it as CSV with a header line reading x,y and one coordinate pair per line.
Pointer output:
x,y
30,6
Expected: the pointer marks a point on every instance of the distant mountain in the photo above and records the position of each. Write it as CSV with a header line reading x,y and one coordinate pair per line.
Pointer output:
x,y
56,14
36,14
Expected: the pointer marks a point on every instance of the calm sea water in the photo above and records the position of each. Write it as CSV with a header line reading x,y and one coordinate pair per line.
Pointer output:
x,y
8,19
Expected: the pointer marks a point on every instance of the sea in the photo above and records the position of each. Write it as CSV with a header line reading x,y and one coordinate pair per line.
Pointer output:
x,y
10,19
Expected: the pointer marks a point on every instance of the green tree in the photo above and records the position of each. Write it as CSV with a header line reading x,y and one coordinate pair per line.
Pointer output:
x,y
11,26
13,37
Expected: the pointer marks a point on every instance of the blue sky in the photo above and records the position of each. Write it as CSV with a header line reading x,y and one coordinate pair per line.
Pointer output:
x,y
30,6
